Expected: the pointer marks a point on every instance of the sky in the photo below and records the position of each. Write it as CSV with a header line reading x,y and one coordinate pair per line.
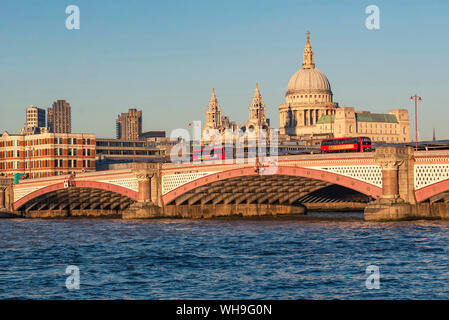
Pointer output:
x,y
164,57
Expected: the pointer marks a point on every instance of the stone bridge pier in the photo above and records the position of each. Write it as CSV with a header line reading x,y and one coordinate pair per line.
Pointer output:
x,y
398,201
149,203
6,195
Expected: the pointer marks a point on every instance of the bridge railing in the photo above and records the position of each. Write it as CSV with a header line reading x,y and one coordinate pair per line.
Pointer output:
x,y
431,153
4,181
78,175
251,161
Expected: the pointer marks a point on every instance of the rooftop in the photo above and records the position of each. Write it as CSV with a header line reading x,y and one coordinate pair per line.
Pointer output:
x,y
364,117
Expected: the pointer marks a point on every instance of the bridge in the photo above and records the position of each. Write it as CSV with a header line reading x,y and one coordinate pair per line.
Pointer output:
x,y
400,182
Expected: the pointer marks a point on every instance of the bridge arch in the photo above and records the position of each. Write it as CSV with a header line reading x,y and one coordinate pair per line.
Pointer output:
x,y
312,174
431,190
110,188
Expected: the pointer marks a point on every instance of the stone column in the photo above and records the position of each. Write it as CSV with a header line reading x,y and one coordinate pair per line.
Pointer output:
x,y
144,187
2,198
390,159
390,188
156,189
9,198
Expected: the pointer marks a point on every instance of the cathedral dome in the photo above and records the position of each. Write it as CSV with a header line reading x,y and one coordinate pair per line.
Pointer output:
x,y
308,84
308,81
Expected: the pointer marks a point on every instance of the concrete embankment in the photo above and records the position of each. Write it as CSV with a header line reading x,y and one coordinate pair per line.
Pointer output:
x,y
210,211
42,214
6,215
375,211
379,211
144,211
335,206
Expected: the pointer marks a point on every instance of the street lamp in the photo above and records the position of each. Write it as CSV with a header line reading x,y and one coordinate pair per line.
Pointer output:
x,y
416,98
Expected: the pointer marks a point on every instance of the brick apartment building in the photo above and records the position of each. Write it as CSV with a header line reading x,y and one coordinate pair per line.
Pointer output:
x,y
46,154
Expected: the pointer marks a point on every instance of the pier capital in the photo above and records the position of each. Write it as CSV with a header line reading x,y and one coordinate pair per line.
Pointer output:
x,y
391,157
143,175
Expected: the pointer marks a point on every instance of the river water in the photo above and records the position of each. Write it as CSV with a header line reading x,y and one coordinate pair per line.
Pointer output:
x,y
323,256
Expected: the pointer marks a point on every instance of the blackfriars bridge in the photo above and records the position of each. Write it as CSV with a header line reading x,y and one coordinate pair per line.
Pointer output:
x,y
400,182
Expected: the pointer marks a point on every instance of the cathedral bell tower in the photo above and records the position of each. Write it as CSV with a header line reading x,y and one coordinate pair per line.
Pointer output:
x,y
213,113
257,113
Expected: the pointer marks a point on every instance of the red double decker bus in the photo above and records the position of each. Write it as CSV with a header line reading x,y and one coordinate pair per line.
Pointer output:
x,y
353,144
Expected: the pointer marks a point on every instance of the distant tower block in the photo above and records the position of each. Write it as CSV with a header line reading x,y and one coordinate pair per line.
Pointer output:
x,y
59,118
129,125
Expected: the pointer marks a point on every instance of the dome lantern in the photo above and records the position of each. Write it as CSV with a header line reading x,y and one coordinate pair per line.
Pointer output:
x,y
308,55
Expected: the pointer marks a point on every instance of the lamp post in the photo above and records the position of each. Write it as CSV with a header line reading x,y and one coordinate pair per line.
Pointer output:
x,y
416,98
192,143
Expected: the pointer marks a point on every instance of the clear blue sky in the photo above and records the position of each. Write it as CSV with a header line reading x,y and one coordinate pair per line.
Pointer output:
x,y
164,57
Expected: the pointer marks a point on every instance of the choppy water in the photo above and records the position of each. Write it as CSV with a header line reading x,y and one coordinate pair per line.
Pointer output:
x,y
283,258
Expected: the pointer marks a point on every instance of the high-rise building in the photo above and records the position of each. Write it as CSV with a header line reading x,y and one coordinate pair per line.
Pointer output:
x,y
59,117
129,125
35,117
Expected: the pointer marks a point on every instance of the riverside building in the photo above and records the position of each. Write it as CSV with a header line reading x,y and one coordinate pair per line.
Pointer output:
x,y
118,149
46,154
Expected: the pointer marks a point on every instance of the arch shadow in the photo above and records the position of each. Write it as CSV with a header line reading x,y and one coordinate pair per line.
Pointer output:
x,y
77,184
351,183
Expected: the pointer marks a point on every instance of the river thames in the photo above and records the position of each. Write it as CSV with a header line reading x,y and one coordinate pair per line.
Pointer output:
x,y
322,256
